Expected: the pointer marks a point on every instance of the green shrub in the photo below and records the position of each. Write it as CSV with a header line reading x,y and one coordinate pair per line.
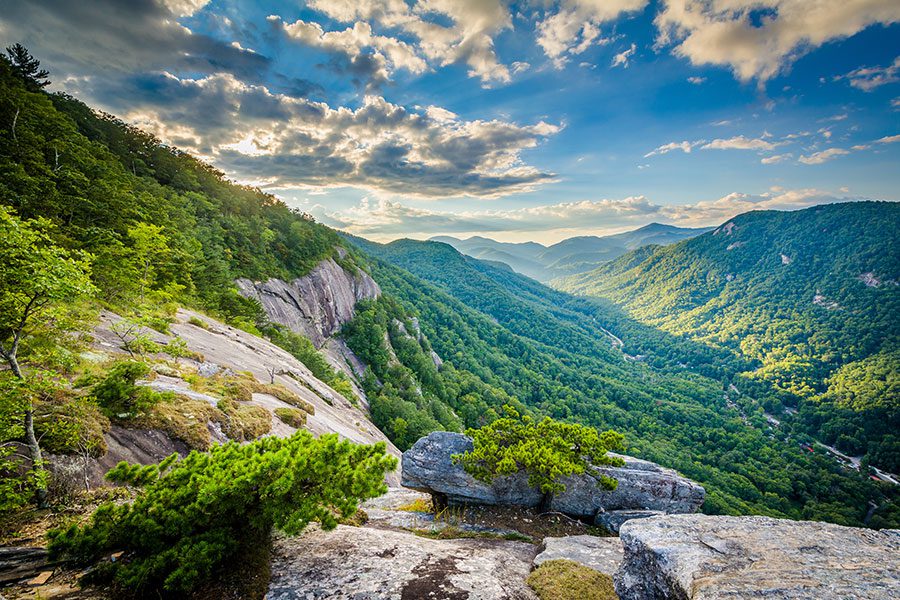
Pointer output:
x,y
119,396
291,416
548,450
198,322
193,514
568,580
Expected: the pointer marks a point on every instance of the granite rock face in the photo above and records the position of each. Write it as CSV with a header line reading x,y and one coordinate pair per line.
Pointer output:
x,y
602,554
428,467
316,305
357,563
701,557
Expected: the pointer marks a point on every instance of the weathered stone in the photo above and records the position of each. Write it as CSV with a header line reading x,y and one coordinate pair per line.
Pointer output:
x,y
364,563
316,305
602,554
612,520
19,563
701,557
643,485
428,467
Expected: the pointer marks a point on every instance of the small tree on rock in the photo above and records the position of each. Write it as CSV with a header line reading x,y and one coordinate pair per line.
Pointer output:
x,y
547,450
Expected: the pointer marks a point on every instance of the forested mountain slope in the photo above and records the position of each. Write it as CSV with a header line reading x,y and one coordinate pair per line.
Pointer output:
x,y
550,351
810,297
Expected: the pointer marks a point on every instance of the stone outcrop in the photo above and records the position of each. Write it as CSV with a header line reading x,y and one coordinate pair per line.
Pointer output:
x,y
701,557
643,486
316,305
361,562
602,554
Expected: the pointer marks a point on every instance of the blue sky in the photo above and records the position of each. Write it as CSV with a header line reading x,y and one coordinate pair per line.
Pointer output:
x,y
533,120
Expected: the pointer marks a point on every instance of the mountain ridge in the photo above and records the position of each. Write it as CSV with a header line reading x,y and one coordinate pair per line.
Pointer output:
x,y
569,256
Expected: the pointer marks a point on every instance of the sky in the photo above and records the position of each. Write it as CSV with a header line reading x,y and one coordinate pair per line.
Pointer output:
x,y
534,120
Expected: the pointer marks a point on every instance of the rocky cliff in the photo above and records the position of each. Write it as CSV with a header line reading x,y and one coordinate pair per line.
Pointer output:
x,y
316,305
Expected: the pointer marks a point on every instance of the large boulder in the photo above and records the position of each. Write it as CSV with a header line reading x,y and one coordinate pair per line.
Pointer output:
x,y
701,557
643,486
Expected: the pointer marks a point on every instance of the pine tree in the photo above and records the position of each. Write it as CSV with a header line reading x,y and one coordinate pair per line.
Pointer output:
x,y
28,67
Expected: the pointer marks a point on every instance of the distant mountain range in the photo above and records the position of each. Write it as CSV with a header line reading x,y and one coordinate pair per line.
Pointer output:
x,y
571,256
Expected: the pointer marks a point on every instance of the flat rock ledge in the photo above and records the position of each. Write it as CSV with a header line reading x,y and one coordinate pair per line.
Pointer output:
x,y
358,563
602,554
701,557
643,486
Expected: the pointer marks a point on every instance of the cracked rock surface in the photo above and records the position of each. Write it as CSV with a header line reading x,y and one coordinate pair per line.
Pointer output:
x,y
362,563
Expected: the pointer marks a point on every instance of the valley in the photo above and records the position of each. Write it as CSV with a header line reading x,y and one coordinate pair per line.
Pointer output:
x,y
208,392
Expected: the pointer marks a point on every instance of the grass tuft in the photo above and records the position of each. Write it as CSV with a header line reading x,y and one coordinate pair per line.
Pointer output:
x,y
568,580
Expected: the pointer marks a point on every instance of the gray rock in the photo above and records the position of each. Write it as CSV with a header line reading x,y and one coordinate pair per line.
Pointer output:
x,y
701,557
316,305
428,467
364,563
612,520
602,554
208,369
643,485
18,563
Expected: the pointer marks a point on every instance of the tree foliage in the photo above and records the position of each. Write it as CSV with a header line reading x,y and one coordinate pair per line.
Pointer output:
x,y
192,514
546,449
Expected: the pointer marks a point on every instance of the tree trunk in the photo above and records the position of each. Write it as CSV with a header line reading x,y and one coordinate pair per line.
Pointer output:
x,y
34,448
546,501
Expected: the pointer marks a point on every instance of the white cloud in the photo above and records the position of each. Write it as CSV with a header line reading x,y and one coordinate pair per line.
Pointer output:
x,y
739,143
684,146
574,26
278,141
817,158
621,59
758,39
697,80
869,78
379,55
385,219
467,39
520,67
889,139
771,160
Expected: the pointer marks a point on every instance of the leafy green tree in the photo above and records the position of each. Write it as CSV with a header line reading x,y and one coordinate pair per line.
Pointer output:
x,y
151,247
193,514
35,277
547,450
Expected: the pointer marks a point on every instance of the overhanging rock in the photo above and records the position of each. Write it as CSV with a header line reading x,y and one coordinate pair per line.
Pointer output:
x,y
643,486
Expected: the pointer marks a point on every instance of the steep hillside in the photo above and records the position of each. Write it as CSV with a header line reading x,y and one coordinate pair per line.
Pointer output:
x,y
811,297
570,256
559,355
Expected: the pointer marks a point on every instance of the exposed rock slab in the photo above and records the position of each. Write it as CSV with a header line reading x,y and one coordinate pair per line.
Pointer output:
x,y
428,467
317,304
612,520
362,563
602,554
701,557
18,563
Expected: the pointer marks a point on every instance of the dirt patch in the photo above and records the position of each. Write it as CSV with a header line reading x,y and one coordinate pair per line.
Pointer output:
x,y
432,580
